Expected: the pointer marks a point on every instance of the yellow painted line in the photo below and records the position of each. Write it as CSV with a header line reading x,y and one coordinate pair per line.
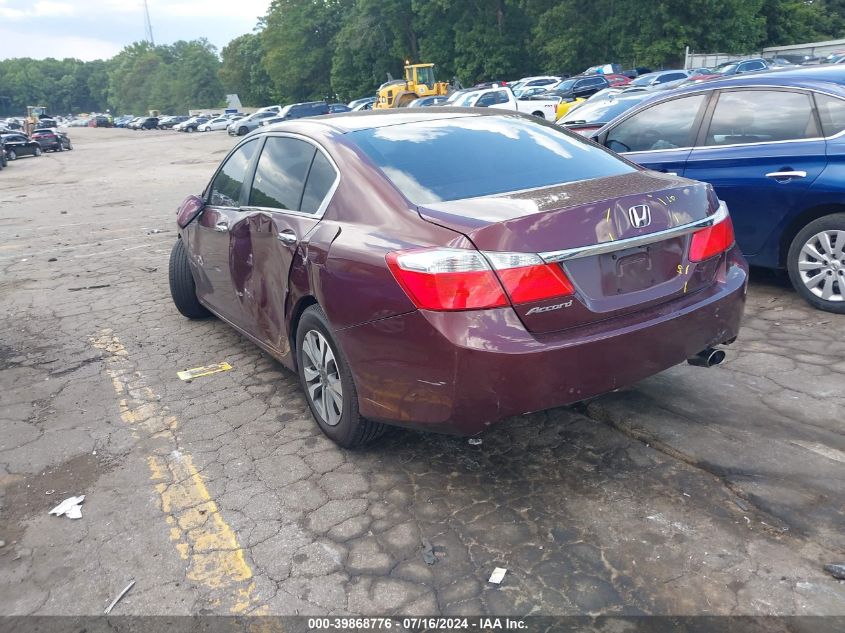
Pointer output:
x,y
199,531
197,372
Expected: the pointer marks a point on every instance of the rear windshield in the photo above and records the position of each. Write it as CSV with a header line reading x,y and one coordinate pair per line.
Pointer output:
x,y
467,157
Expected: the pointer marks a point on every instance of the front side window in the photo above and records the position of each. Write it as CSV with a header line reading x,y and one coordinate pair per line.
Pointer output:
x,y
227,184
761,116
280,174
671,77
832,114
667,125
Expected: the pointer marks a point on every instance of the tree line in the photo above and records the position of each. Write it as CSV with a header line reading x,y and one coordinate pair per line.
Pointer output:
x,y
342,49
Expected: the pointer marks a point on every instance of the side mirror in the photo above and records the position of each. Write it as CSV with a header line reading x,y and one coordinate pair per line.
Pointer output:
x,y
190,208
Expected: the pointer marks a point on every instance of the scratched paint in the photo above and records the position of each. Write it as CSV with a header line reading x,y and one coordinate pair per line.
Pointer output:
x,y
198,530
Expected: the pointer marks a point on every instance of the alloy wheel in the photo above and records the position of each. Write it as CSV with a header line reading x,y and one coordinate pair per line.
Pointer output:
x,y
322,377
821,265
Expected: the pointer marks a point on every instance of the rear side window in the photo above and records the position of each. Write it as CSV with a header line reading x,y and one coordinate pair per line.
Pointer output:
x,y
831,113
761,116
671,77
226,187
667,125
467,157
320,181
280,174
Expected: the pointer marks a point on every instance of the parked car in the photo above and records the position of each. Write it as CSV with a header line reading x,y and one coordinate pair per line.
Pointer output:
x,y
249,123
734,68
168,123
504,99
534,82
336,108
17,145
50,139
192,124
218,123
491,246
424,102
358,102
13,124
575,87
145,123
661,80
769,145
617,81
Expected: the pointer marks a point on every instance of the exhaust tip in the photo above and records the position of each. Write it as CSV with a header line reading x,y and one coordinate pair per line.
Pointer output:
x,y
707,358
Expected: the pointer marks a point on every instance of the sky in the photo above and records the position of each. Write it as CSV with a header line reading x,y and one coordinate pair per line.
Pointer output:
x,y
99,29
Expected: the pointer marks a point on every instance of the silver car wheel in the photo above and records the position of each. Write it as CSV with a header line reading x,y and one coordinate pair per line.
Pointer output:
x,y
821,265
322,377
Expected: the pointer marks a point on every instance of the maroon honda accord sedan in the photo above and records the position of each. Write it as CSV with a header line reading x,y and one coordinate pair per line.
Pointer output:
x,y
443,269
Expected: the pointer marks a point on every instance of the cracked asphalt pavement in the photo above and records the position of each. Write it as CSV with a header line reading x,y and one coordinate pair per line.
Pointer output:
x,y
698,491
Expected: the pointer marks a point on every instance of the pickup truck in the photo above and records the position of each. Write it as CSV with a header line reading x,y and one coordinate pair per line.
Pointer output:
x,y
503,99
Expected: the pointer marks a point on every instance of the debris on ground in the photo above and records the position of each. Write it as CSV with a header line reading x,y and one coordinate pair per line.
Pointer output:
x,y
837,570
498,575
196,372
475,441
149,269
119,596
52,259
428,552
153,231
70,508
2,543
97,287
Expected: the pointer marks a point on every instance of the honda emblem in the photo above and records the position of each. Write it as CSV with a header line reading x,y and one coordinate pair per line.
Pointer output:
x,y
640,216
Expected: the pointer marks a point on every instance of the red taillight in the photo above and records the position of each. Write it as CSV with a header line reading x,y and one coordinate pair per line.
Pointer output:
x,y
447,279
527,278
711,241
455,279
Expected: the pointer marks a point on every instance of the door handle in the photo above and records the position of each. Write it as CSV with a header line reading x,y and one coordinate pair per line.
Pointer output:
x,y
221,227
287,237
786,174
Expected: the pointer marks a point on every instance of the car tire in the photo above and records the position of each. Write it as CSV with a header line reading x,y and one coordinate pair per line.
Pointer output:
x,y
813,276
38,151
12,155
317,351
183,288
69,146
190,129
242,131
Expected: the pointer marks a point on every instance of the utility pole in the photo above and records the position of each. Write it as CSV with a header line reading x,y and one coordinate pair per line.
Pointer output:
x,y
148,24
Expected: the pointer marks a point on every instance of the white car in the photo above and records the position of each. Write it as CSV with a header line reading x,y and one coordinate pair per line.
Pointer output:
x,y
218,123
504,99
532,82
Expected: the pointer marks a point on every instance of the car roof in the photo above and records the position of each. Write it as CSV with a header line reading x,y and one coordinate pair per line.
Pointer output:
x,y
770,79
344,122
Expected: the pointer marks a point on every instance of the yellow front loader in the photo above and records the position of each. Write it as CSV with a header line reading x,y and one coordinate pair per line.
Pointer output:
x,y
419,82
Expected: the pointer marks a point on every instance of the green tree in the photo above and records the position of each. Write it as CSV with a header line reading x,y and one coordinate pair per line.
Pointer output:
x,y
242,71
298,37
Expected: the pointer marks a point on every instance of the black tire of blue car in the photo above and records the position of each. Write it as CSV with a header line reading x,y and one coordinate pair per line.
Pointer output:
x,y
12,154
831,265
183,289
38,151
351,430
242,131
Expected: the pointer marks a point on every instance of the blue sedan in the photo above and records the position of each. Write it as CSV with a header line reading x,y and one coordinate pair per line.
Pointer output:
x,y
773,147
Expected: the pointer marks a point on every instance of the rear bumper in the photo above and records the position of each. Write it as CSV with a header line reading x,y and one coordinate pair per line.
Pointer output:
x,y
459,372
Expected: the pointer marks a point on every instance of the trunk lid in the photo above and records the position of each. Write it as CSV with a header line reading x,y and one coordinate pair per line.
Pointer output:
x,y
586,213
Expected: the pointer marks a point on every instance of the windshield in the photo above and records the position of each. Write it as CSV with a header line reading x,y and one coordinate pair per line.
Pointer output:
x,y
728,70
644,80
467,99
467,157
563,86
426,76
